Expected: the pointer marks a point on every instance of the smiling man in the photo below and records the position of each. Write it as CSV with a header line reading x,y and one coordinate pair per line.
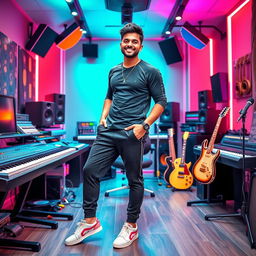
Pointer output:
x,y
123,128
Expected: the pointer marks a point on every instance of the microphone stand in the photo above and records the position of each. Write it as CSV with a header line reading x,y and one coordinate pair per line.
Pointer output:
x,y
244,207
157,154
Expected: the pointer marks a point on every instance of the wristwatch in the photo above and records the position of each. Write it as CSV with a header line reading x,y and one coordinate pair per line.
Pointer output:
x,y
146,126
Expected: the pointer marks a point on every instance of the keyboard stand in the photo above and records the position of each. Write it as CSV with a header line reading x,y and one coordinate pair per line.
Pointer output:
x,y
208,199
18,214
11,243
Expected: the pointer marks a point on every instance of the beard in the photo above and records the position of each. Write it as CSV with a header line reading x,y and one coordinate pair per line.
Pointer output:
x,y
132,55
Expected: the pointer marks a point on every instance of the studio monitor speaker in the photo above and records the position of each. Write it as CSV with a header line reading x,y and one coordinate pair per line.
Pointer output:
x,y
171,50
42,40
205,100
41,113
59,100
90,50
171,113
219,84
252,210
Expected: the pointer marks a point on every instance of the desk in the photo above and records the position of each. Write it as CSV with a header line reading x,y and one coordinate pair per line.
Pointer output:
x,y
153,137
90,138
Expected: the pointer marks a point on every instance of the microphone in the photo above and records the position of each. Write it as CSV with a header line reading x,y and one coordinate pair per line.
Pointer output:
x,y
243,111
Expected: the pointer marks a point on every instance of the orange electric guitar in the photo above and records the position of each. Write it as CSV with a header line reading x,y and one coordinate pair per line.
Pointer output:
x,y
171,157
204,169
181,178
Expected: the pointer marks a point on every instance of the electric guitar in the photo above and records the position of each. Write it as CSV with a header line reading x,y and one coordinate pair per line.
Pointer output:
x,y
181,177
171,157
204,169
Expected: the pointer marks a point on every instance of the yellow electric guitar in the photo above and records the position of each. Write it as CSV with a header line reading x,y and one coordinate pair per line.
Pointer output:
x,y
204,169
172,156
181,178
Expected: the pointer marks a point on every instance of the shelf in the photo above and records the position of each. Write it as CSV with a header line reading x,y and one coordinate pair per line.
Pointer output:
x,y
20,135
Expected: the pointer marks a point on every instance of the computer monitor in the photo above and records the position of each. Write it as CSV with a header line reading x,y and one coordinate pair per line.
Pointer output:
x,y
7,115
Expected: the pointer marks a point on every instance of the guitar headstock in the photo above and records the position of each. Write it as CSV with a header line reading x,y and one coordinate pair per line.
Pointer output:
x,y
224,111
185,135
170,132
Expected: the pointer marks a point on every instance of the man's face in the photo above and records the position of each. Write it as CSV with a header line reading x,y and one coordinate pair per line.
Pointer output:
x,y
131,45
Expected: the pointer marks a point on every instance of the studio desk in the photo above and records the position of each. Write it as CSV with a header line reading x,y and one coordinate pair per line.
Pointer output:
x,y
20,165
156,139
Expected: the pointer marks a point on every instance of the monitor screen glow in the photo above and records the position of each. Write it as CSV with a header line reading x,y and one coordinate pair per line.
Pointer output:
x,y
7,115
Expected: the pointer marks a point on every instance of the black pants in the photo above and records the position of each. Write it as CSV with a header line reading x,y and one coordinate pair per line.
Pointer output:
x,y
109,144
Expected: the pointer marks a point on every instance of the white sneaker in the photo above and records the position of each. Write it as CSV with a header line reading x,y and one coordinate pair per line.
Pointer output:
x,y
82,231
127,235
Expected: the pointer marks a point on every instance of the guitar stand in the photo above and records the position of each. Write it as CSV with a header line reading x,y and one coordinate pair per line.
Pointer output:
x,y
176,189
244,208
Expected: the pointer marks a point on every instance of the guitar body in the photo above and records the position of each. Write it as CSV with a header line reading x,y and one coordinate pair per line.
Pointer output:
x,y
180,177
169,169
204,170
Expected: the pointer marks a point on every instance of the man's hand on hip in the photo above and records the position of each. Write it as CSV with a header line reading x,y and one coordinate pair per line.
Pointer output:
x,y
138,130
103,122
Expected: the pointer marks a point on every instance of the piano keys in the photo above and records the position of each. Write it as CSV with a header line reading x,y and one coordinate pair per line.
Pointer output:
x,y
25,158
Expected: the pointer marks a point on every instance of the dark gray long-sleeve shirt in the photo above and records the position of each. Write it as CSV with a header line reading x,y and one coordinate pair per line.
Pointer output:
x,y
131,90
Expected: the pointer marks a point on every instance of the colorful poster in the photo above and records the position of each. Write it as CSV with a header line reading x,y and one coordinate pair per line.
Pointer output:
x,y
8,66
26,79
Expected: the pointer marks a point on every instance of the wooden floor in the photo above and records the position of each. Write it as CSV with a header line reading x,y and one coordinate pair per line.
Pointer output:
x,y
166,227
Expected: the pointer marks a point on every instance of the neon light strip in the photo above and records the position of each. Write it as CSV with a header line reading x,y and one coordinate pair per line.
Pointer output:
x,y
61,72
37,78
211,56
188,68
184,75
230,69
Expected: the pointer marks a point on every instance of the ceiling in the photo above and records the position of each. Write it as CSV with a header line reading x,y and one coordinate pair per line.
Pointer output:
x,y
106,24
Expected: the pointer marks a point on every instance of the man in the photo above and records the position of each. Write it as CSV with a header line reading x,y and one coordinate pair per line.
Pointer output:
x,y
122,131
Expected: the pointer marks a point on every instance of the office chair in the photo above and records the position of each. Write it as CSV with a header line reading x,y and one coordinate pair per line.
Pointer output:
x,y
145,164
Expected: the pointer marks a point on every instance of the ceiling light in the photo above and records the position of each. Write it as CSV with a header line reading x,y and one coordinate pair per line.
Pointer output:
x,y
74,13
193,36
178,18
69,1
167,32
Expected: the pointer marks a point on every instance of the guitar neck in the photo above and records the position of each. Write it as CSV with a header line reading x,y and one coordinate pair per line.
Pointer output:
x,y
172,148
183,154
214,135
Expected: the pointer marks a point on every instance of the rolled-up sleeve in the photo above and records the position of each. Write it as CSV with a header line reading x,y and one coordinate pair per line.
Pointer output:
x,y
156,88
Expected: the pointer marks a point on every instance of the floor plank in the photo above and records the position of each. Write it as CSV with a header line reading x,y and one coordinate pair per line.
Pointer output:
x,y
166,227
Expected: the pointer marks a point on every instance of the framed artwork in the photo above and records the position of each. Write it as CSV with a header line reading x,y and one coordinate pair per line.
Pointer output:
x,y
26,79
8,66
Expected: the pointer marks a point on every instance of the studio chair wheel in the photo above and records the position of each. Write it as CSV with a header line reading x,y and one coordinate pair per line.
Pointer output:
x,y
106,194
206,217
152,194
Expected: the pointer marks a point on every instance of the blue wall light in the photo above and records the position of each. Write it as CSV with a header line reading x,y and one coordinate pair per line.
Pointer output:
x,y
193,36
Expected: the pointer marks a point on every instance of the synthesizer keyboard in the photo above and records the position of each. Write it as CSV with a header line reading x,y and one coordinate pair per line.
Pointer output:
x,y
231,151
20,159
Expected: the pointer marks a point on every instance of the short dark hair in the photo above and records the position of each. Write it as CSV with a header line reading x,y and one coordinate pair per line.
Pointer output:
x,y
132,28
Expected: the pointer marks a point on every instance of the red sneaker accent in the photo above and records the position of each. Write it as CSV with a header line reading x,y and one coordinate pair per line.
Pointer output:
x,y
95,226
133,234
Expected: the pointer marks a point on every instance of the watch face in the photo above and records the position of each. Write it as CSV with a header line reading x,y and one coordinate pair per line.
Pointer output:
x,y
146,127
